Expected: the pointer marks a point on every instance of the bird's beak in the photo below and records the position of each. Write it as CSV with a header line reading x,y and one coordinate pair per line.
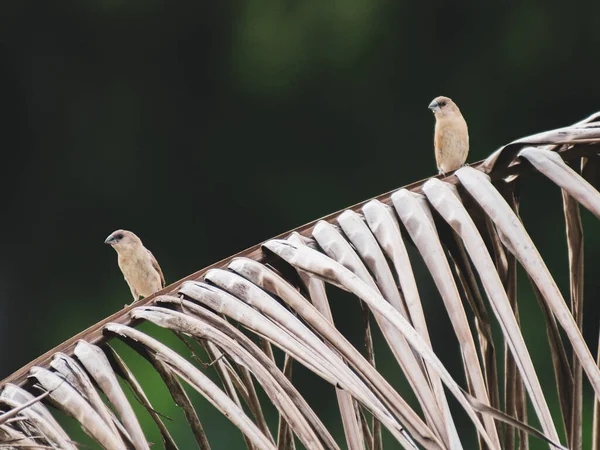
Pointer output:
x,y
434,106
110,240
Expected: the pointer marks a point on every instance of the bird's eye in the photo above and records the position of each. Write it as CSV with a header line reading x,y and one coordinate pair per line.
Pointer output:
x,y
119,236
441,104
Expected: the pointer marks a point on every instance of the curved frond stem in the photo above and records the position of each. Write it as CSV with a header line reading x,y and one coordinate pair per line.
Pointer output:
x,y
466,229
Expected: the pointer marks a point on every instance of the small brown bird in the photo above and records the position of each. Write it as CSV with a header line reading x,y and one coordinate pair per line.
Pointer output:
x,y
138,264
451,138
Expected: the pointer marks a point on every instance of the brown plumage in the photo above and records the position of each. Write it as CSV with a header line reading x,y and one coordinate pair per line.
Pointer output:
x,y
138,264
451,138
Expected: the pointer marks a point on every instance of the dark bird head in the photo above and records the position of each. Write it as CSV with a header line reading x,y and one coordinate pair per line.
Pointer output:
x,y
122,239
442,106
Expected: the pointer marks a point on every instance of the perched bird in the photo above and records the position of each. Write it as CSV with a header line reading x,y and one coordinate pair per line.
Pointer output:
x,y
451,138
139,266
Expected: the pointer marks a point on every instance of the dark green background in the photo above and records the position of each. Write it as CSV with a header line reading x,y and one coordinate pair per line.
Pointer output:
x,y
209,126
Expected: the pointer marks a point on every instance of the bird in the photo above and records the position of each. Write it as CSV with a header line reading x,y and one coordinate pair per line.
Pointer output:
x,y
138,264
451,137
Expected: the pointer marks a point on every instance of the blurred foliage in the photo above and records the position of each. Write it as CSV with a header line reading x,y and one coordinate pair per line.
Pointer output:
x,y
207,127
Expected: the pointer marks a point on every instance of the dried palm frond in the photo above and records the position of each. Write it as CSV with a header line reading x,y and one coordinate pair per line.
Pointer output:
x,y
467,231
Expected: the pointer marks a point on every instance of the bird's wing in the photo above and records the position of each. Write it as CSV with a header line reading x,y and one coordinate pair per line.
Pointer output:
x,y
157,267
436,137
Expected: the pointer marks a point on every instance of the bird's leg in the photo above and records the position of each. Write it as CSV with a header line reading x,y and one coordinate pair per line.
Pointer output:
x,y
441,172
136,296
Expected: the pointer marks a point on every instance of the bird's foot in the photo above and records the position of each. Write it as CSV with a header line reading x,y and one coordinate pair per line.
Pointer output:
x,y
134,301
